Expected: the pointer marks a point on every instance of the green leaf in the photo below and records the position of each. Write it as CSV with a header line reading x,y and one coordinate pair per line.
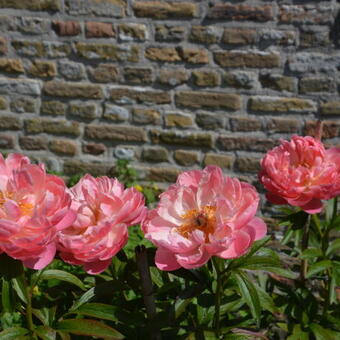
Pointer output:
x,y
260,263
266,300
45,333
318,267
19,287
323,334
99,310
333,247
88,327
62,276
298,334
180,306
6,296
13,333
249,293
282,272
311,253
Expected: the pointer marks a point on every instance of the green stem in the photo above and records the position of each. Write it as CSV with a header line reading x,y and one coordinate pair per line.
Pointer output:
x,y
335,208
304,246
317,224
219,277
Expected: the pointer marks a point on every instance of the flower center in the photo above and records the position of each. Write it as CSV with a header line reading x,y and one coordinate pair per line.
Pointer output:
x,y
25,207
203,220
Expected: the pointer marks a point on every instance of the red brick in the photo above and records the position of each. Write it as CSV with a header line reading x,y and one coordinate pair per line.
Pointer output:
x,y
67,28
99,30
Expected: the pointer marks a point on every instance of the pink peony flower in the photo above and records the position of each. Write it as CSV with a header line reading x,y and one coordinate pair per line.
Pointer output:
x,y
105,210
301,173
34,206
204,214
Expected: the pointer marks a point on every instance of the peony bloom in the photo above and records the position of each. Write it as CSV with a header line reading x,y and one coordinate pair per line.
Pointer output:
x,y
204,214
34,206
301,173
105,210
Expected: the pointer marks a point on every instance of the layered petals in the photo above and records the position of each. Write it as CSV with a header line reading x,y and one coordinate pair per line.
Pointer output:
x,y
104,212
204,214
301,172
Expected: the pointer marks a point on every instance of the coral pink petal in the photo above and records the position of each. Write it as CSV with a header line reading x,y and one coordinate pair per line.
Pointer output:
x,y
194,259
44,258
96,267
313,207
166,260
238,247
275,199
258,227
67,220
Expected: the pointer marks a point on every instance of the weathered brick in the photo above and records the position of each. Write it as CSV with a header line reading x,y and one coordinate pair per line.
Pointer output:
x,y
94,148
197,100
245,124
330,129
204,34
21,104
167,174
6,142
138,75
104,73
306,14
269,37
247,59
132,32
129,95
165,10
205,78
250,143
107,51
223,161
155,154
283,125
239,36
178,120
71,70
102,8
20,86
63,147
278,82
173,77
278,104
36,125
69,90
9,123
3,46
175,138
3,103
330,108
115,133
32,25
66,28
170,33
169,54
248,164
11,66
241,12
76,167
186,158
33,143
311,36
53,108
146,116
115,113
42,69
53,49
208,121
193,55
32,5
241,79
316,84
99,30
127,152
84,110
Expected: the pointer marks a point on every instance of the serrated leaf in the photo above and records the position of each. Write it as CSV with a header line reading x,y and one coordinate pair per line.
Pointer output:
x,y
318,267
13,333
45,333
249,293
88,327
311,253
99,310
62,276
323,334
333,247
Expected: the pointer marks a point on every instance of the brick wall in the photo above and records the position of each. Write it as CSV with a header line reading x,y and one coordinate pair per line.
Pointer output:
x,y
168,85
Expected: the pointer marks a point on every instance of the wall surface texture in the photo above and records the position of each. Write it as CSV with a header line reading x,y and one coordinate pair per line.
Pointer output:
x,y
170,85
